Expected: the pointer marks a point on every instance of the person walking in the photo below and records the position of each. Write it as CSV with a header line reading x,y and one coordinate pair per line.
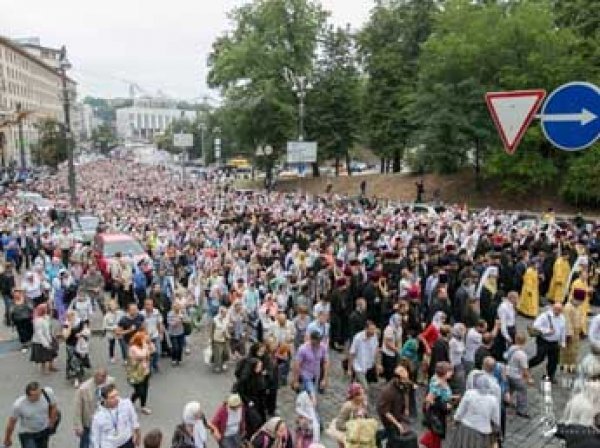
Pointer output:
x,y
518,375
21,316
230,423
574,317
364,364
477,415
44,347
7,284
138,369
37,415
219,337
109,326
115,424
153,323
310,369
273,434
393,406
87,400
551,329
76,334
194,430
437,406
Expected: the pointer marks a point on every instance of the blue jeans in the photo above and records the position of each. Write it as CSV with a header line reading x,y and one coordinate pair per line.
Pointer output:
x,y
84,440
35,440
177,343
124,348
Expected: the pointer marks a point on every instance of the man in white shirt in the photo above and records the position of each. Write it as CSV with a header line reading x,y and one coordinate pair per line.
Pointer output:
x,y
507,317
115,423
552,335
153,322
363,362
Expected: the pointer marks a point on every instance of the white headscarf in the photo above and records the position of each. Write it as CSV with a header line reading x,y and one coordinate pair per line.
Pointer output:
x,y
437,320
191,412
306,408
490,271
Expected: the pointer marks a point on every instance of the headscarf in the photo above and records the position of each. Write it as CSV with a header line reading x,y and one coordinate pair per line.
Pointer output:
x,y
491,271
190,417
437,319
353,390
306,408
457,331
581,261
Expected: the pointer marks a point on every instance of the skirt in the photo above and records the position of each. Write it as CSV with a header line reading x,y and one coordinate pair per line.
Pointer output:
x,y
465,437
41,354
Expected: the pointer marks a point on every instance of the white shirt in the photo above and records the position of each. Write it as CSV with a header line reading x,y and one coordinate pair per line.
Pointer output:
x,y
152,322
507,316
472,342
456,351
594,330
364,351
478,411
112,428
546,322
395,334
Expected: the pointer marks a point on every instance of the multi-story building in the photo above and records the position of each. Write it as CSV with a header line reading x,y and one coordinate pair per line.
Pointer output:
x,y
33,85
148,118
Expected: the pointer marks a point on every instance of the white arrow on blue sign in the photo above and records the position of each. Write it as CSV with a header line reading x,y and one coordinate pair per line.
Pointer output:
x,y
570,117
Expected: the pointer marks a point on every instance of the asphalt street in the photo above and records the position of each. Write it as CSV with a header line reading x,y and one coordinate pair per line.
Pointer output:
x,y
193,380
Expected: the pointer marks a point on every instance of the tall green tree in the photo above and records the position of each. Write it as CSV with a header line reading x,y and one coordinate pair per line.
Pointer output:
x,y
477,47
333,115
104,138
248,62
51,148
390,45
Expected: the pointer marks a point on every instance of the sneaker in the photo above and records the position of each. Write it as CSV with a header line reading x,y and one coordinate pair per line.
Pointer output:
x,y
224,367
146,411
173,363
113,360
24,350
188,351
76,384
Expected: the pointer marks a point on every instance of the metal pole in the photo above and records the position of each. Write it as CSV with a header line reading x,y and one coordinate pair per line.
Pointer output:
x,y
71,164
183,153
301,121
202,145
21,139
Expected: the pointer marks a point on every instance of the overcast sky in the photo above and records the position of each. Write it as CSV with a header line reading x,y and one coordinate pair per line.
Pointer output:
x,y
159,44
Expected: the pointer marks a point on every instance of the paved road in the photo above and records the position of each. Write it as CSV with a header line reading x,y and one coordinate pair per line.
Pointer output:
x,y
173,387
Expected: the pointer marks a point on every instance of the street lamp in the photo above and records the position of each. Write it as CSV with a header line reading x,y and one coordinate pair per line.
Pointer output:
x,y
21,139
266,152
300,86
65,65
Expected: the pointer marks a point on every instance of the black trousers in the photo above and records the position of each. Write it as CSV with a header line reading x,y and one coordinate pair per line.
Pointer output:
x,y
140,390
546,349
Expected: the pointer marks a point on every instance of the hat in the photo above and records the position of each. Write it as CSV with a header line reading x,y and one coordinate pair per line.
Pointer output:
x,y
234,401
579,294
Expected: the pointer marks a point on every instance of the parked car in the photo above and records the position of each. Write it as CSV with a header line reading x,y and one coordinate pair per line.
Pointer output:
x,y
84,228
107,245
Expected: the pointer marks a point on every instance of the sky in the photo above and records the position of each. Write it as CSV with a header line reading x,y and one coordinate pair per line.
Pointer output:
x,y
161,45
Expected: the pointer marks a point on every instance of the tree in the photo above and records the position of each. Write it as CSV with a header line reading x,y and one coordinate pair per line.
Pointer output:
x,y
476,47
581,185
390,47
51,148
247,65
333,118
104,138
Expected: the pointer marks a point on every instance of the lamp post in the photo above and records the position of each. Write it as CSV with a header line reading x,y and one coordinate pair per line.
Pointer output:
x,y
21,139
266,152
64,66
202,127
300,86
217,142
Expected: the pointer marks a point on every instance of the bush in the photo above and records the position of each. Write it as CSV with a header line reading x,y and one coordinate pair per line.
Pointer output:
x,y
521,172
581,185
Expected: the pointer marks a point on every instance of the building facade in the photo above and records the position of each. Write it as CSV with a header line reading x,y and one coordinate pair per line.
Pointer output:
x,y
31,85
148,118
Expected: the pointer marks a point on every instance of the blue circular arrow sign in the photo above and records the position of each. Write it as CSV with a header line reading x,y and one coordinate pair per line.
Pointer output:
x,y
570,117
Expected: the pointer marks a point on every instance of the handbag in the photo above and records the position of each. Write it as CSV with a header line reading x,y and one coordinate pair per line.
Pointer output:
x,y
135,373
187,328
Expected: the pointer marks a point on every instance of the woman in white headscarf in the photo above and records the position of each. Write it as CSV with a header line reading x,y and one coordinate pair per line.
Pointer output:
x,y
307,421
477,414
194,430
580,425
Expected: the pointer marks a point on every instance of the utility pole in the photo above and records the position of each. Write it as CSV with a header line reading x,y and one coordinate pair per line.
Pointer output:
x,y
64,66
21,139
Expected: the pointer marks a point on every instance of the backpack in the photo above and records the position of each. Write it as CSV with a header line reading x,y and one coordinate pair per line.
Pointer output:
x,y
181,439
52,429
360,433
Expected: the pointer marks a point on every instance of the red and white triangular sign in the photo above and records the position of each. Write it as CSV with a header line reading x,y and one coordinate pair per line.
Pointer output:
x,y
512,113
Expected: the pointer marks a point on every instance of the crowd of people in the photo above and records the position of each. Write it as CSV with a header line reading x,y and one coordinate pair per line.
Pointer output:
x,y
284,284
